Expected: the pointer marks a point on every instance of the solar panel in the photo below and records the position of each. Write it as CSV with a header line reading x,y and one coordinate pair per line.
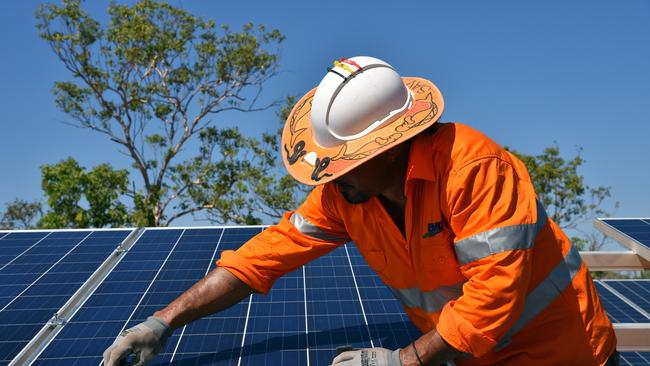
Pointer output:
x,y
160,266
114,302
389,325
637,291
275,327
634,233
335,300
15,244
624,302
45,270
637,229
618,308
215,339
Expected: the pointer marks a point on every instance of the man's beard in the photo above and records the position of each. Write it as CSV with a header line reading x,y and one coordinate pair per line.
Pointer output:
x,y
355,198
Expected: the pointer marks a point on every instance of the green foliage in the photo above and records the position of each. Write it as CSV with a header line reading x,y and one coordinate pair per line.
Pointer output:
x,y
277,195
21,214
645,274
610,275
69,187
235,176
151,80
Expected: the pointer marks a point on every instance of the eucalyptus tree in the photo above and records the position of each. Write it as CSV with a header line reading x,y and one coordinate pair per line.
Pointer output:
x,y
155,79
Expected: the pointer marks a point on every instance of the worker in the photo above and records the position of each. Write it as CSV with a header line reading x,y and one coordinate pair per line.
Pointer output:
x,y
447,218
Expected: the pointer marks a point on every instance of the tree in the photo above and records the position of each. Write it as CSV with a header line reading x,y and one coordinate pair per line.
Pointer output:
x,y
68,188
21,214
245,176
564,194
152,80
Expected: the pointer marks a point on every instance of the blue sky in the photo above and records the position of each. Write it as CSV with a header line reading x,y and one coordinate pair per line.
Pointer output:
x,y
527,74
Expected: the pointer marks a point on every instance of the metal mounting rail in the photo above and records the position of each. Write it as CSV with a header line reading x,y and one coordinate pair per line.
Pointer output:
x,y
40,341
614,261
632,337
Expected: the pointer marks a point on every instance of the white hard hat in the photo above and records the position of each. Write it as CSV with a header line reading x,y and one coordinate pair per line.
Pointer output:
x,y
357,96
360,109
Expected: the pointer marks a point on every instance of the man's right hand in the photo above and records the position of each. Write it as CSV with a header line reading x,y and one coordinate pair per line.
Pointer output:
x,y
145,340
215,292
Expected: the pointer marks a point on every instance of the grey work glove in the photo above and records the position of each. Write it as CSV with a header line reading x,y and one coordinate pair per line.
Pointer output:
x,y
145,340
368,357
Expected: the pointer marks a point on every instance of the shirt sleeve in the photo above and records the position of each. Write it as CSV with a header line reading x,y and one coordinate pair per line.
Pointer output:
x,y
311,231
493,212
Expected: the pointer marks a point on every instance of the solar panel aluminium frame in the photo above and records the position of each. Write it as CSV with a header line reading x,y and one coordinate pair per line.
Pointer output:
x,y
614,261
623,238
637,258
5,231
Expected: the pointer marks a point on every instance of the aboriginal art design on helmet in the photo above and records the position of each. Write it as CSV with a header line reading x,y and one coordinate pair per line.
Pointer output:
x,y
325,136
422,112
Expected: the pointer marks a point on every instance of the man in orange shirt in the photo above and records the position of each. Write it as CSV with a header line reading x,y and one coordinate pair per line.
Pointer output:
x,y
447,218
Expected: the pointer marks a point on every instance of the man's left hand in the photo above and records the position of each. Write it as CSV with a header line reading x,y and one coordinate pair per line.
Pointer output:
x,y
368,357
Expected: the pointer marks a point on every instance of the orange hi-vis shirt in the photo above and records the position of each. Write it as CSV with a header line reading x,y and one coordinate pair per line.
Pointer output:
x,y
481,262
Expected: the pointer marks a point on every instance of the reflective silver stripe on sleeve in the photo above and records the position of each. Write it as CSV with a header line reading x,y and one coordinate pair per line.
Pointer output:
x,y
500,240
430,301
545,293
309,229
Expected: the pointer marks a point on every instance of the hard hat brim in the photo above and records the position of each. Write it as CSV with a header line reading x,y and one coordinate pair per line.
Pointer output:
x,y
312,164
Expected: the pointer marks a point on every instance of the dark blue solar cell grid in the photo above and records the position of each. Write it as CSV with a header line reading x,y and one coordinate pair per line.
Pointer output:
x,y
63,261
637,229
161,265
20,272
14,244
343,300
390,327
617,309
635,358
276,330
334,312
268,329
102,317
637,291
215,339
